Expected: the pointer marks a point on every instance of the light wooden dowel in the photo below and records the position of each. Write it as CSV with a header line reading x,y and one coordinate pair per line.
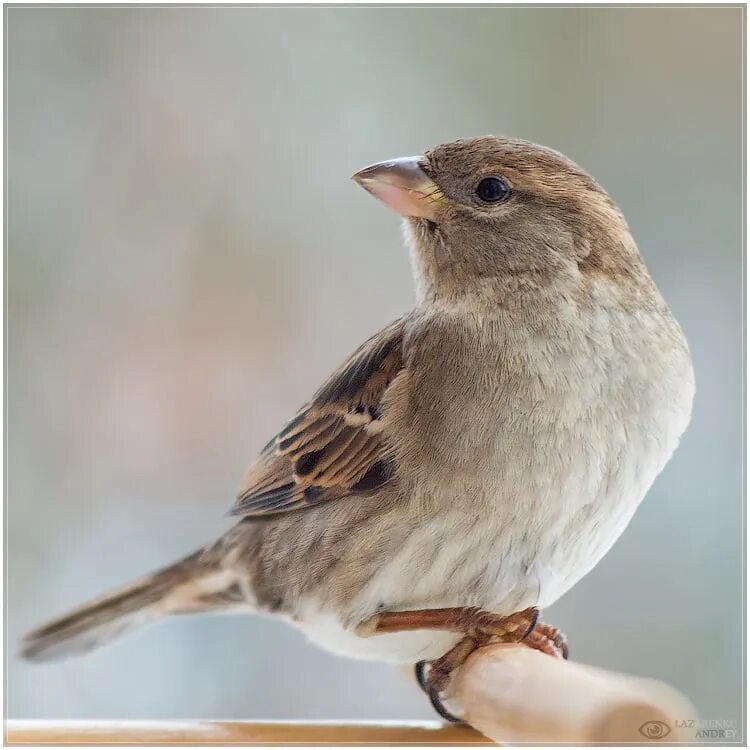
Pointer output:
x,y
237,733
509,693
514,694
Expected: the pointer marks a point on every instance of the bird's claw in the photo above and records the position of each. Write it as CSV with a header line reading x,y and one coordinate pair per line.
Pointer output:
x,y
424,675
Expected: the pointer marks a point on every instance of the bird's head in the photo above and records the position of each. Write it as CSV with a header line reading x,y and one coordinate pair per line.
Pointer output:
x,y
487,212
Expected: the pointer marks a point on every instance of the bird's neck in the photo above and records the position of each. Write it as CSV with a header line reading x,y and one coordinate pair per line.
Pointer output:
x,y
451,289
446,279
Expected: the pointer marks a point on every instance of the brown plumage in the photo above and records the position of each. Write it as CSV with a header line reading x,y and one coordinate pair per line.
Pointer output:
x,y
479,454
333,446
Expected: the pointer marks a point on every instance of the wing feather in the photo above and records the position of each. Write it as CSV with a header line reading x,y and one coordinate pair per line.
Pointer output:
x,y
334,446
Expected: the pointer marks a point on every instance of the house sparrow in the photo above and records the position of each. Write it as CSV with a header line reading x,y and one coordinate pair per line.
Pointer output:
x,y
474,459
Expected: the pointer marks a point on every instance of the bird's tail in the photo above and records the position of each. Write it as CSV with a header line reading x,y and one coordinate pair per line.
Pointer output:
x,y
194,584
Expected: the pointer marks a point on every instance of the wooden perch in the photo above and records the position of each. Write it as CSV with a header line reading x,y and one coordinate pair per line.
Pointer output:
x,y
510,693
236,733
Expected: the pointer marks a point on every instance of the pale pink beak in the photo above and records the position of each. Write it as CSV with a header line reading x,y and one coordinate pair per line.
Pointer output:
x,y
402,185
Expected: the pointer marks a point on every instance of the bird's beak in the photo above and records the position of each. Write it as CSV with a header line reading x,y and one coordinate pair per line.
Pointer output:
x,y
402,185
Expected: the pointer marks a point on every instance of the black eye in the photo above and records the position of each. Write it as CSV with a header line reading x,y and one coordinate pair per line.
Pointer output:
x,y
492,190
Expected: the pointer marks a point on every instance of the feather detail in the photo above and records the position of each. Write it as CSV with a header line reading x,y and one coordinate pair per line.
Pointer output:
x,y
334,446
309,430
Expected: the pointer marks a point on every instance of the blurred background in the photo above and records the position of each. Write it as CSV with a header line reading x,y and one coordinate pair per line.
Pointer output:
x,y
187,259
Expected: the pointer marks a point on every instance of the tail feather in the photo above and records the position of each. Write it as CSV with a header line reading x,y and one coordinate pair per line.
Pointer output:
x,y
190,585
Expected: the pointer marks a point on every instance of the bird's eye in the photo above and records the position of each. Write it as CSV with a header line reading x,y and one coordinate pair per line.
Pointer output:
x,y
492,190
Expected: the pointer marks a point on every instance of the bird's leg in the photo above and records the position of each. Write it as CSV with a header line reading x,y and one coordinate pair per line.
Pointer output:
x,y
468,620
479,628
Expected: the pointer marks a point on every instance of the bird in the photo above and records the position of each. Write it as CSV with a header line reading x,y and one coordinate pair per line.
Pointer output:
x,y
471,461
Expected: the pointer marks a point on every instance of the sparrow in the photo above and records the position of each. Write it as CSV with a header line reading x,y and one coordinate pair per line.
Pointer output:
x,y
471,461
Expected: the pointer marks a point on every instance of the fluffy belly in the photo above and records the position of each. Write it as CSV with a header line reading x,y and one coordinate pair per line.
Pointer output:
x,y
453,560
501,562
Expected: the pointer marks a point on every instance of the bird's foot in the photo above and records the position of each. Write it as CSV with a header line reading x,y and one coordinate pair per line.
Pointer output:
x,y
478,627
434,677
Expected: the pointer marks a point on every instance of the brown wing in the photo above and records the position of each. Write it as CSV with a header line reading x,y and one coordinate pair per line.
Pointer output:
x,y
333,446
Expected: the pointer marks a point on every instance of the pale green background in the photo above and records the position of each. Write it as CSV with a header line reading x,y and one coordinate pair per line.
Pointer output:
x,y
187,259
